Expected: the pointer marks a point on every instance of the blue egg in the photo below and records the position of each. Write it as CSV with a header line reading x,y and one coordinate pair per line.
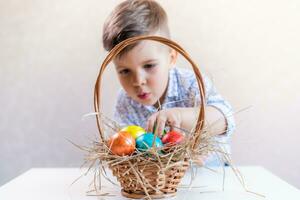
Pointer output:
x,y
145,141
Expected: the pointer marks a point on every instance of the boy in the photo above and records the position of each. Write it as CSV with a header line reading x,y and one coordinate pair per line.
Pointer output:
x,y
150,80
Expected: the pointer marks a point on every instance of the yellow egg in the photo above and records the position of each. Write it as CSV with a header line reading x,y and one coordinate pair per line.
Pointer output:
x,y
135,131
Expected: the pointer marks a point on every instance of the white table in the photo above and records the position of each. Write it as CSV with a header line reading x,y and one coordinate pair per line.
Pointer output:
x,y
55,184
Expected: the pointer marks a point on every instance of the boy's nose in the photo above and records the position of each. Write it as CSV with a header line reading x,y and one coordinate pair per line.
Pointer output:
x,y
139,79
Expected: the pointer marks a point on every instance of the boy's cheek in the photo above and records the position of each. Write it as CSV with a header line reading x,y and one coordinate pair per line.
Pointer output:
x,y
124,82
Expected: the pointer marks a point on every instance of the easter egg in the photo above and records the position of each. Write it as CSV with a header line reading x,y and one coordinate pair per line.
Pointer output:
x,y
121,143
172,137
145,141
135,131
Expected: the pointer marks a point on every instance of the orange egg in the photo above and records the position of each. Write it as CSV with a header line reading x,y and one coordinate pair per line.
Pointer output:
x,y
122,143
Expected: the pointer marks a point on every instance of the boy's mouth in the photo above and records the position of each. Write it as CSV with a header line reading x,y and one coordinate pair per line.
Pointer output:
x,y
143,95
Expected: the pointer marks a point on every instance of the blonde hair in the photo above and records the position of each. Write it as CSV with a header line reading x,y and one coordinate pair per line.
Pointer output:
x,y
134,18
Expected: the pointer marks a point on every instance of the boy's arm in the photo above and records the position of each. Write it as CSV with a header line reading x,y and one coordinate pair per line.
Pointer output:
x,y
186,118
214,119
219,115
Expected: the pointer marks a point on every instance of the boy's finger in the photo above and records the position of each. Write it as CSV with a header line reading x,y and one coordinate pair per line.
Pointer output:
x,y
160,126
150,124
175,125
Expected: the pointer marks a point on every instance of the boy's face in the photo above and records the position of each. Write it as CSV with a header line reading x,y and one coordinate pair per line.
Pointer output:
x,y
143,71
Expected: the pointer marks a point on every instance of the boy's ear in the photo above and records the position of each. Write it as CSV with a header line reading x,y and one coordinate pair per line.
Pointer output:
x,y
173,57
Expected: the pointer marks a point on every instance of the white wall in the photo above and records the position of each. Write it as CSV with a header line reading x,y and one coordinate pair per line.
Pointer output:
x,y
49,57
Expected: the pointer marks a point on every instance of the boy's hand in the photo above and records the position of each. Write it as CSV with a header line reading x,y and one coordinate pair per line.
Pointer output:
x,y
171,116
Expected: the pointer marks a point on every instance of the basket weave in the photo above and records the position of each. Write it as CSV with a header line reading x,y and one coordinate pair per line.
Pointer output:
x,y
149,178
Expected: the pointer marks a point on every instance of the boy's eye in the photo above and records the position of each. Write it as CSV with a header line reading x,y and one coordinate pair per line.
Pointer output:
x,y
124,71
149,66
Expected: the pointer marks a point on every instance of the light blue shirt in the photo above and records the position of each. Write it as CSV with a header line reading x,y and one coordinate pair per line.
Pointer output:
x,y
182,91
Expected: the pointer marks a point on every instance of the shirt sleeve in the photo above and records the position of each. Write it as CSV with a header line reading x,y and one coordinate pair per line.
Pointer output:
x,y
213,98
126,112
121,111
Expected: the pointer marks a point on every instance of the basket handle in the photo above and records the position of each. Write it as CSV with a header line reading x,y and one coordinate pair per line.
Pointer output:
x,y
118,48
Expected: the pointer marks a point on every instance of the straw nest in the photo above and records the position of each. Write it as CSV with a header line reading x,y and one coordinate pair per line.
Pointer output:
x,y
154,173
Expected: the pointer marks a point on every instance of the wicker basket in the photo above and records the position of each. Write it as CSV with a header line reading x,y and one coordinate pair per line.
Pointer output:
x,y
149,177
